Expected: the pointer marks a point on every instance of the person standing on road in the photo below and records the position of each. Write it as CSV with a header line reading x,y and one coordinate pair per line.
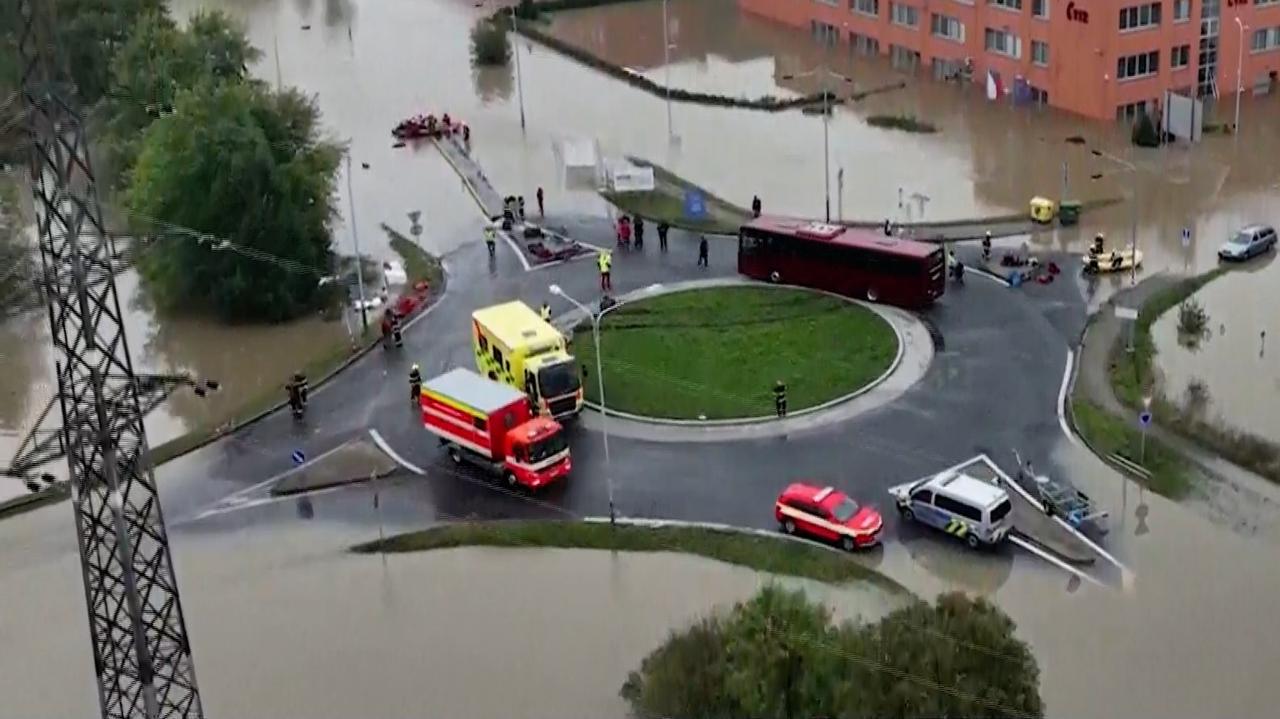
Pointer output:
x,y
986,247
491,238
755,205
397,335
639,232
542,211
662,236
780,398
702,252
605,262
415,384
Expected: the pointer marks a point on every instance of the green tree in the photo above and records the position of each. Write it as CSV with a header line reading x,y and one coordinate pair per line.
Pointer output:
x,y
245,165
778,656
17,268
160,60
489,42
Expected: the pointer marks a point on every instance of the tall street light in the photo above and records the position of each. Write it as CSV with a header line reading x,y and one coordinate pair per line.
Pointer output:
x,y
826,75
1133,198
355,241
515,50
666,63
1239,69
604,409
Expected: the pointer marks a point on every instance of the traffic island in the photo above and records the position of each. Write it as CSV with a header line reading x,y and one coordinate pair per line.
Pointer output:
x,y
715,353
355,461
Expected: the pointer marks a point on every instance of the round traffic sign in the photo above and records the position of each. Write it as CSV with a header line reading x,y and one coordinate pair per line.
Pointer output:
x,y
415,230
1144,419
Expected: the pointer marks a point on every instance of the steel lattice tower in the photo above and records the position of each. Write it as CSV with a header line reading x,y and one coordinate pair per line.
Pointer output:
x,y
140,648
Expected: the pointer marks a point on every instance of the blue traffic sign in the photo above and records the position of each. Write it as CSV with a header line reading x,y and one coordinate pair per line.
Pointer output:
x,y
1144,419
695,204
298,457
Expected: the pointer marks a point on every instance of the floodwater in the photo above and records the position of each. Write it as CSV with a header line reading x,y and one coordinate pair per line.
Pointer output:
x,y
372,64
1232,372
457,633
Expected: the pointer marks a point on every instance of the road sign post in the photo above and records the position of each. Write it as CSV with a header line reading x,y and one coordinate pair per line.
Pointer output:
x,y
1144,421
1129,314
298,457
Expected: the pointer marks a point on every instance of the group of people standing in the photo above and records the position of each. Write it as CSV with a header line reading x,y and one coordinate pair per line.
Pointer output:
x,y
629,228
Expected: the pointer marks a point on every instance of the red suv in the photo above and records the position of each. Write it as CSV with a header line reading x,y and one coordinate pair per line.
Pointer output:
x,y
824,513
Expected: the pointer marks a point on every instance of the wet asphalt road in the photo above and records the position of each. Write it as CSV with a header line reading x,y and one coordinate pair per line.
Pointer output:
x,y
993,386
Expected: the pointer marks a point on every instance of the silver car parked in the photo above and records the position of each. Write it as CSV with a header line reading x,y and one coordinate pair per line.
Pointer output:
x,y
1249,242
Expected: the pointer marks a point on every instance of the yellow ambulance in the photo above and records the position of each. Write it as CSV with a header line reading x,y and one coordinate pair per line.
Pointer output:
x,y
515,346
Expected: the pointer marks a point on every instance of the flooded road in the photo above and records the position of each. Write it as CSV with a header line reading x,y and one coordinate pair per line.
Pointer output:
x,y
471,632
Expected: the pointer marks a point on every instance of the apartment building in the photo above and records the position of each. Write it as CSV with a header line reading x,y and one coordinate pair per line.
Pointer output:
x,y
1099,58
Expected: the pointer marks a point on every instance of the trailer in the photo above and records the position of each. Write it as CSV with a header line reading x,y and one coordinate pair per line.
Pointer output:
x,y
488,424
1062,499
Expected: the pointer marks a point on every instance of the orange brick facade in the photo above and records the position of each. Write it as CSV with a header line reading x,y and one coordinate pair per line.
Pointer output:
x,y
1091,57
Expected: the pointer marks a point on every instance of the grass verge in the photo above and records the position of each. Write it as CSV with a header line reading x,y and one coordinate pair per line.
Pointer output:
x,y
906,123
666,204
767,554
418,265
1107,435
1133,377
716,353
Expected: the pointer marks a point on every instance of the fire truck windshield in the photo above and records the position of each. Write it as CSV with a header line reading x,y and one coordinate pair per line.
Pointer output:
x,y
558,379
544,448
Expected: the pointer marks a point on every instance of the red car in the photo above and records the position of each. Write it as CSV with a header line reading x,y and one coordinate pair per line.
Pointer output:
x,y
825,513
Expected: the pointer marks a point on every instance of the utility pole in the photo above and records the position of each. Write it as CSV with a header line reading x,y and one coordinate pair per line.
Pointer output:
x,y
1235,131
515,50
840,194
666,63
355,240
142,657
826,137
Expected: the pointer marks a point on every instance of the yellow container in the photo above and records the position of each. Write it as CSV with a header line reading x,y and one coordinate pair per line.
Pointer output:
x,y
1042,209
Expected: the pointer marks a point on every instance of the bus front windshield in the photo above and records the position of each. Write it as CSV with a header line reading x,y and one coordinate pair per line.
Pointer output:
x,y
559,379
549,447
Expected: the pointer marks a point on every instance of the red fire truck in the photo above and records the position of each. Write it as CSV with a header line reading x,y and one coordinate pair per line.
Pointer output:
x,y
488,424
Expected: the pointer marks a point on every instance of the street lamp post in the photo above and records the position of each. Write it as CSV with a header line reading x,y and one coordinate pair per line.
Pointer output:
x,y
604,409
826,124
1133,218
515,50
666,64
1239,70
355,241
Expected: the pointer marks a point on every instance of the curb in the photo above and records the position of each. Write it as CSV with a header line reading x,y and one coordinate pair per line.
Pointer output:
x,y
646,293
352,359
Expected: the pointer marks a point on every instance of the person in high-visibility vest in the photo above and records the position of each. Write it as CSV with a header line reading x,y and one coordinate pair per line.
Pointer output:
x,y
491,238
545,312
605,262
415,384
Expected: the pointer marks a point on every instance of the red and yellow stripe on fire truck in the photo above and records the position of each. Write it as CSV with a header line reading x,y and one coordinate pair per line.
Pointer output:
x,y
841,529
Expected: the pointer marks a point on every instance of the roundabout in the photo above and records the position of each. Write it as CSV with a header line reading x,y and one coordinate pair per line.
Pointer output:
x,y
713,351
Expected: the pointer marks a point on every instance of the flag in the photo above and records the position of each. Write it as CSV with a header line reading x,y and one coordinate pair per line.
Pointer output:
x,y
994,87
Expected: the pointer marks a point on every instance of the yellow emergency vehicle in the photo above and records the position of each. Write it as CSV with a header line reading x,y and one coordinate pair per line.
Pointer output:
x,y
515,346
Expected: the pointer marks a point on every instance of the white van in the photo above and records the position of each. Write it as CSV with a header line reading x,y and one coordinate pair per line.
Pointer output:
x,y
960,505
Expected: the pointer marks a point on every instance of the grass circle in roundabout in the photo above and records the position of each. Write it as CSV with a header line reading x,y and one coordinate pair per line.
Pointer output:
x,y
715,353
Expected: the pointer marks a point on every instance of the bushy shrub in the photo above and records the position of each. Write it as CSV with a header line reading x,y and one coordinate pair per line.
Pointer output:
x,y
489,43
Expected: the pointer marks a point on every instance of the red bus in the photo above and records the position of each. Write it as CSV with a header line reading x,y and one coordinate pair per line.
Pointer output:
x,y
845,260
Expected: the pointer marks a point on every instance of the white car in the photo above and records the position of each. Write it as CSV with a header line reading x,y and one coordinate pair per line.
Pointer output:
x,y
1249,242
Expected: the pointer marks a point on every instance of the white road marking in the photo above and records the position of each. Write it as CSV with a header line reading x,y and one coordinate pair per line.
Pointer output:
x,y
382,444
1062,399
514,247
1054,560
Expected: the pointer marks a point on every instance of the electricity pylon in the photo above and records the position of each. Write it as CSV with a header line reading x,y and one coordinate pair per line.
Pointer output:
x,y
141,654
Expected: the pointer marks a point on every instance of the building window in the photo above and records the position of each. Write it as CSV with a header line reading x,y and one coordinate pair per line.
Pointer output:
x,y
864,45
1040,52
1180,56
1182,10
1140,65
833,3
825,33
865,7
1015,5
904,15
903,58
1003,43
1266,39
948,27
1261,3
1140,16
1040,9
1131,112
1038,96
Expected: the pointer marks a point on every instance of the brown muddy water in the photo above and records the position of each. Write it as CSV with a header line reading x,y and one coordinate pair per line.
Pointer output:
x,y
372,64
286,624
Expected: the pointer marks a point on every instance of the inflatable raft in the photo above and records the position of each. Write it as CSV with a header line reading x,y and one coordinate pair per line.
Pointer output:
x,y
1113,261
